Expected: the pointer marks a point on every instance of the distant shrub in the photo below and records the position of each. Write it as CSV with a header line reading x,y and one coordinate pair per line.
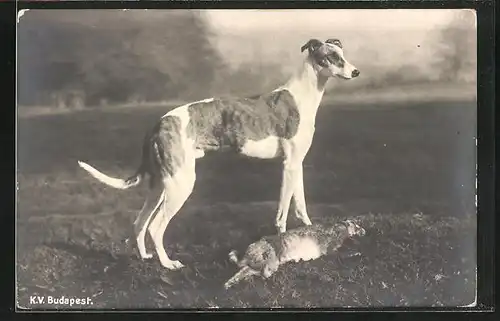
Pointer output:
x,y
114,56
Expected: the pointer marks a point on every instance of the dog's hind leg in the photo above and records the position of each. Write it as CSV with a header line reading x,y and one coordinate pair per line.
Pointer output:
x,y
177,190
154,199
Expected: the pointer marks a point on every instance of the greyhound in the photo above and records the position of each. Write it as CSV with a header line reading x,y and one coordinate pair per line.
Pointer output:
x,y
265,256
279,124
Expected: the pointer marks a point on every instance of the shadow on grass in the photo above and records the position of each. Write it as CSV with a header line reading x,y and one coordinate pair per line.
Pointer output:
x,y
403,260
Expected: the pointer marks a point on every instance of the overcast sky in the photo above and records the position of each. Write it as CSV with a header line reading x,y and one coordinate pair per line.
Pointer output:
x,y
246,20
396,36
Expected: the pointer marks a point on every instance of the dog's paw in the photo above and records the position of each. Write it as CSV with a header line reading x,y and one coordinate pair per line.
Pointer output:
x,y
280,229
146,256
172,265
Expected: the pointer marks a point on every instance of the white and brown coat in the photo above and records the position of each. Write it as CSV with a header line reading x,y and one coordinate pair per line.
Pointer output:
x,y
279,124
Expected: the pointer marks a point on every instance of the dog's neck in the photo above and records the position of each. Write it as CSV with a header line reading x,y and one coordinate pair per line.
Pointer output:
x,y
307,87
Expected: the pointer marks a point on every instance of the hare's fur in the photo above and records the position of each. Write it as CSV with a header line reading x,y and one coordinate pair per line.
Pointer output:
x,y
305,243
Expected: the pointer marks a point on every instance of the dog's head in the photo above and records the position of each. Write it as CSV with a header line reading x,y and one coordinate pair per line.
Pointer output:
x,y
328,58
354,229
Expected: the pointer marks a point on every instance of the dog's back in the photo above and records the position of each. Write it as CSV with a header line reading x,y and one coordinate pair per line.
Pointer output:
x,y
305,243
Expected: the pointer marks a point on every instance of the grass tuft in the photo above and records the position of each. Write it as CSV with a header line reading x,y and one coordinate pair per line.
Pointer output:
x,y
403,260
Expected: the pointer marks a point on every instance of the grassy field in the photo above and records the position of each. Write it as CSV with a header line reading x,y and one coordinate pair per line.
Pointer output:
x,y
406,170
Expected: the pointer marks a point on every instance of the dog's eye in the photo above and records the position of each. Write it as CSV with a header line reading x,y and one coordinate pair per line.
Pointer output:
x,y
334,56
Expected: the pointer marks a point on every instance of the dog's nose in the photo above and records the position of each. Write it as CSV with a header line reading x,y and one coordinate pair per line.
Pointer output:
x,y
355,73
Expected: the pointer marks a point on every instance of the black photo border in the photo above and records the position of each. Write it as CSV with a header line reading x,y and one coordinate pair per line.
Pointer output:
x,y
485,156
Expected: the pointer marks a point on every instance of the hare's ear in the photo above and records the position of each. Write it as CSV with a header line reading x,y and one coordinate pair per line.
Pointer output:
x,y
312,45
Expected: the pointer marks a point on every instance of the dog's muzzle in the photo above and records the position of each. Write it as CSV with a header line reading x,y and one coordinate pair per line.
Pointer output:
x,y
355,73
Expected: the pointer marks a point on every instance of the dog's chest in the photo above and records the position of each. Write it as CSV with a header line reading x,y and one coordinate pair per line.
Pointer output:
x,y
307,103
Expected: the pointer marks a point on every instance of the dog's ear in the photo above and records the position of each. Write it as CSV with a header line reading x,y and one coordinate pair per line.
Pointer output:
x,y
335,42
312,45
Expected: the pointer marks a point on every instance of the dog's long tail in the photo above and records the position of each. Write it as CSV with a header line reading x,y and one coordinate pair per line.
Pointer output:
x,y
119,183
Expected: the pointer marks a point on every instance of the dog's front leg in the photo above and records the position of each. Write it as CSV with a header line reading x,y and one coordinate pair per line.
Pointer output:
x,y
300,199
291,171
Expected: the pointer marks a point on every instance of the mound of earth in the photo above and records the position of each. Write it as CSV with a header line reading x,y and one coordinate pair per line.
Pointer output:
x,y
404,259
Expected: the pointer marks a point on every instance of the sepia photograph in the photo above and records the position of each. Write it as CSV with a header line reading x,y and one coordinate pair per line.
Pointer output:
x,y
246,159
